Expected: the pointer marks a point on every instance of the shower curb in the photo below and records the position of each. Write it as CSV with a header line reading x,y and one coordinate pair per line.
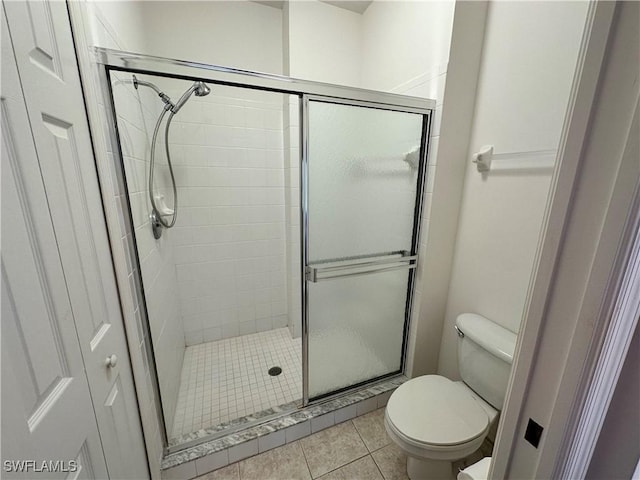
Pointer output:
x,y
211,455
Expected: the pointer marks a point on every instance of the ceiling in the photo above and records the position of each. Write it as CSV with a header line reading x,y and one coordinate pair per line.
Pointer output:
x,y
357,6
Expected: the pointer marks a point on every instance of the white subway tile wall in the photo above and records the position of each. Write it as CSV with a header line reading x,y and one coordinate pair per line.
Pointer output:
x,y
227,149
137,111
291,123
229,378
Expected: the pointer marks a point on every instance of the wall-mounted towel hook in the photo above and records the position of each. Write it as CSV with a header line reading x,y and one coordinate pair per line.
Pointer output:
x,y
482,159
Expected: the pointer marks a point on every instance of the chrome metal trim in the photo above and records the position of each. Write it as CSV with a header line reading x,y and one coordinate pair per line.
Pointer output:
x,y
368,104
366,257
137,63
460,332
304,241
417,227
363,261
325,271
381,269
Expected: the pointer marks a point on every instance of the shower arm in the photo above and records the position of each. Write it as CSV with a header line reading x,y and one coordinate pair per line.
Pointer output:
x,y
163,96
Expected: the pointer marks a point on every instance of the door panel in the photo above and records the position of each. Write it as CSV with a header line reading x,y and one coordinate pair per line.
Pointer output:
x,y
363,187
42,41
47,412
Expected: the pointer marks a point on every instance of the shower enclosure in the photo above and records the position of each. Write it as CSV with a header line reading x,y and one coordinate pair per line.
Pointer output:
x,y
287,277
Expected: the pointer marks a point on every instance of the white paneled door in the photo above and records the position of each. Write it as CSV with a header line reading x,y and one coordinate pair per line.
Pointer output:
x,y
69,295
47,414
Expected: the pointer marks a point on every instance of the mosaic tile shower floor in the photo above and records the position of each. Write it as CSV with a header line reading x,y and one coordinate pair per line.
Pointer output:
x,y
229,378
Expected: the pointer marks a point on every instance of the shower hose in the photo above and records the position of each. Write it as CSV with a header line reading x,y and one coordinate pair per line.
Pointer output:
x,y
158,214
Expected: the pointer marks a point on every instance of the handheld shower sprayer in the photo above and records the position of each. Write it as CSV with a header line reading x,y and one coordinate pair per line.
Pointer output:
x,y
200,89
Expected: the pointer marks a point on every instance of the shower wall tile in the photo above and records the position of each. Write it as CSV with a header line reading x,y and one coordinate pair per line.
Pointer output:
x,y
323,421
345,413
137,111
271,441
212,462
185,470
230,241
366,406
296,432
244,450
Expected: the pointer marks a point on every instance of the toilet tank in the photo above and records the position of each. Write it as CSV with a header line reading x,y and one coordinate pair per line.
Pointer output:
x,y
485,355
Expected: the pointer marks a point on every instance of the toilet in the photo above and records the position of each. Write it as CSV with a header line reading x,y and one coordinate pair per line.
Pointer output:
x,y
437,421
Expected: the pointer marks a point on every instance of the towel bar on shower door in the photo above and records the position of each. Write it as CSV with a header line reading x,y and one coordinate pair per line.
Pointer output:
x,y
356,266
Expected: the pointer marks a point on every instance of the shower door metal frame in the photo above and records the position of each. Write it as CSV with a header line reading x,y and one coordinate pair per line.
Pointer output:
x,y
305,90
386,262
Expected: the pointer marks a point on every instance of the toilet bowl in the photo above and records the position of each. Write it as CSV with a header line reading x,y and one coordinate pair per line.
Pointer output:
x,y
437,421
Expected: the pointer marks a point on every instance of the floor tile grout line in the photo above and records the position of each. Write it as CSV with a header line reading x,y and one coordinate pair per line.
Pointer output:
x,y
378,466
346,464
367,446
360,435
304,455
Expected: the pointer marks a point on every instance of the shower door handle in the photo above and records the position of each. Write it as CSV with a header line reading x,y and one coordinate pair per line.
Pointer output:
x,y
356,266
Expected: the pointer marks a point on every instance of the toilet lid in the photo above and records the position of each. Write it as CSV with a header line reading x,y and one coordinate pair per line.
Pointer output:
x,y
433,409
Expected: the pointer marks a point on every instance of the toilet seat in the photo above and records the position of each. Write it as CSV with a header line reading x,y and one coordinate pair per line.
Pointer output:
x,y
433,413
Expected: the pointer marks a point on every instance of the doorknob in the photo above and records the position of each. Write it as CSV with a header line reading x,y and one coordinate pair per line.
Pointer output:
x,y
111,361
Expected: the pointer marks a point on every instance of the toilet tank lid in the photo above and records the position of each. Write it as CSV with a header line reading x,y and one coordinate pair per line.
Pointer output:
x,y
497,340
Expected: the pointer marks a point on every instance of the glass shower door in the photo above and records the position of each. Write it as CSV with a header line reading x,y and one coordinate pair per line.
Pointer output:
x,y
361,200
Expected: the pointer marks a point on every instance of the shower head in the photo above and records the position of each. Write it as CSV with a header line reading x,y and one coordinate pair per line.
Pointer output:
x,y
199,88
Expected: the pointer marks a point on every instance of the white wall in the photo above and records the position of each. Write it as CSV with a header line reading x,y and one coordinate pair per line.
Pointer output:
x,y
230,33
402,41
522,96
324,43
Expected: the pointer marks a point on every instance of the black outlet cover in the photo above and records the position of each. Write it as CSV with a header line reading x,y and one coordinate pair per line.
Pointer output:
x,y
533,433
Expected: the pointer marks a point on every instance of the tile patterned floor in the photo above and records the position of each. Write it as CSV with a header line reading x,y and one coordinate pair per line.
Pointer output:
x,y
356,449
228,379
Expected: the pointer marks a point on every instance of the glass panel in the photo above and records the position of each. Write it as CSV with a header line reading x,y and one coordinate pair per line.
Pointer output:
x,y
217,284
362,189
355,329
362,186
